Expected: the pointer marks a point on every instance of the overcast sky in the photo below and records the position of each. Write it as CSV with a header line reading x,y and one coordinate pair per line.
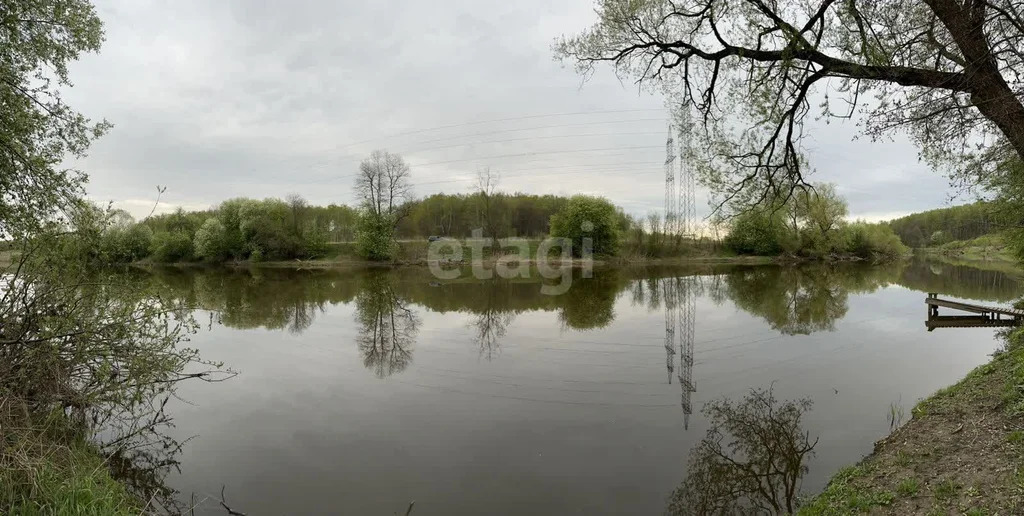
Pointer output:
x,y
246,98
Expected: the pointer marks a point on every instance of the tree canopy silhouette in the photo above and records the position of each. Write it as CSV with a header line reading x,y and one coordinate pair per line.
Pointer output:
x,y
945,71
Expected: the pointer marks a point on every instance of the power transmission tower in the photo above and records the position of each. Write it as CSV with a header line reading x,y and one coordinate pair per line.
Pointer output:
x,y
686,209
679,293
670,185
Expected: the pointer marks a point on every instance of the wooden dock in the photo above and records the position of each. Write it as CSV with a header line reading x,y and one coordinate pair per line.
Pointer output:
x,y
987,316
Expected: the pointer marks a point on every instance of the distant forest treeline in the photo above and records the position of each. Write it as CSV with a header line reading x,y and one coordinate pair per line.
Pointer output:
x,y
281,229
940,226
455,215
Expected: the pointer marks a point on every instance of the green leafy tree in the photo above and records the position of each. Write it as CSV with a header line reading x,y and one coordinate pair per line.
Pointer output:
x,y
38,39
590,217
965,222
211,240
824,214
123,240
868,240
229,214
375,237
314,240
173,247
384,190
83,356
757,232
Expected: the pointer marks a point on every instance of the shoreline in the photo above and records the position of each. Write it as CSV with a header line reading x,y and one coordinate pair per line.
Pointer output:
x,y
961,452
356,263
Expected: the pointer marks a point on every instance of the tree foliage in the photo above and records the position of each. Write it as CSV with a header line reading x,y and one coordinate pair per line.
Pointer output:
x,y
587,217
173,247
965,222
375,238
272,229
211,240
945,71
811,223
38,130
457,215
757,232
86,363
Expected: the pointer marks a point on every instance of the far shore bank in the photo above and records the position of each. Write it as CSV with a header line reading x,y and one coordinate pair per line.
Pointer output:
x,y
353,263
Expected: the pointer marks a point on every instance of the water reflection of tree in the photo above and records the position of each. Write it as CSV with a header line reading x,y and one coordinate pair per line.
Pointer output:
x,y
794,300
490,324
590,302
257,298
751,461
387,326
989,281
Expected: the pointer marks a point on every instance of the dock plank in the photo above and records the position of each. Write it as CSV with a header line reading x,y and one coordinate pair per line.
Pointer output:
x,y
974,308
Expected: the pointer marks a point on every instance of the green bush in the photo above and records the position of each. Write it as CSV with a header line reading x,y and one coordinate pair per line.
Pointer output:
x,y
375,237
868,240
314,241
126,244
210,242
172,247
585,216
756,232
939,238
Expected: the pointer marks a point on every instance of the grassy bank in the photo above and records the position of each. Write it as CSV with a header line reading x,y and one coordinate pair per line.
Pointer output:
x,y
986,247
52,470
962,452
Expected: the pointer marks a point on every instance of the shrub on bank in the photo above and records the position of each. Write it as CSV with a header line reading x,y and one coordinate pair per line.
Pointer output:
x,y
766,234
375,237
866,240
585,216
756,232
126,244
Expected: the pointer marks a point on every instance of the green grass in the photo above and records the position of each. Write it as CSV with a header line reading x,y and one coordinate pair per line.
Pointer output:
x,y
842,496
908,487
57,473
1015,437
946,489
985,247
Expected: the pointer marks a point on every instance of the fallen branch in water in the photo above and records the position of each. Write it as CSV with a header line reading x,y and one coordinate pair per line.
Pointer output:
x,y
224,504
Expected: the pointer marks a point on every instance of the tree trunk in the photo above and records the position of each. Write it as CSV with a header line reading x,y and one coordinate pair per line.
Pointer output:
x,y
989,92
996,101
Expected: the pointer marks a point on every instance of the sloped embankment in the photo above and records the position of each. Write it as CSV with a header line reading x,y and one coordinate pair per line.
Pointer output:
x,y
961,453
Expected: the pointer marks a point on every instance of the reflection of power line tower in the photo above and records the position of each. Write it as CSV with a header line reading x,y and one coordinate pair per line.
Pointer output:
x,y
686,311
679,298
670,185
667,297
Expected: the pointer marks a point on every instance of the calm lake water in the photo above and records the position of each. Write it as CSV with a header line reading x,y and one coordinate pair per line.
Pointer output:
x,y
360,391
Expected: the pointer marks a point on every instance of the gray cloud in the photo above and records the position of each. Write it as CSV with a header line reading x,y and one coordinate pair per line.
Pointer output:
x,y
224,99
